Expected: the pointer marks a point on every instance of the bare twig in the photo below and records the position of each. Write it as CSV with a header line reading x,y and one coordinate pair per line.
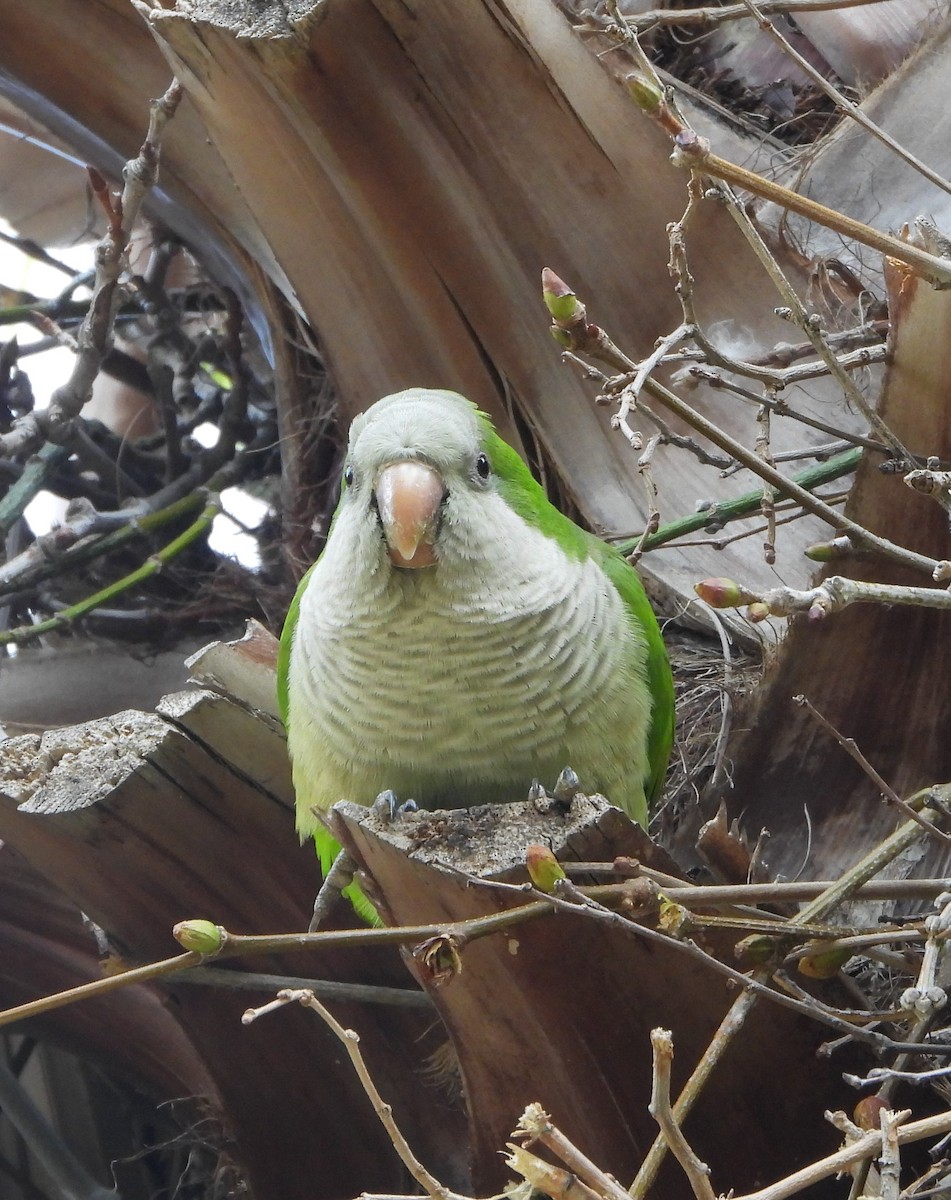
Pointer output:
x,y
697,1172
230,945
888,793
535,1125
809,324
83,538
933,483
152,566
545,1179
694,153
709,18
832,595
713,378
889,1163
841,890
56,423
575,333
329,989
786,487
350,1040
843,1159
763,893
842,102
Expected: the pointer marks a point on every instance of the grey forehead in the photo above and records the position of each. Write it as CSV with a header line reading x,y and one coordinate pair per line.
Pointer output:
x,y
442,426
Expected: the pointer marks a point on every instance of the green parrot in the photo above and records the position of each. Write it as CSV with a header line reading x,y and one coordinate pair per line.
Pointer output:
x,y
459,637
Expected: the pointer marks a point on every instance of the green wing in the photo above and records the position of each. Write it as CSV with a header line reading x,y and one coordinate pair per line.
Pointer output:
x,y
284,649
660,736
522,491
526,496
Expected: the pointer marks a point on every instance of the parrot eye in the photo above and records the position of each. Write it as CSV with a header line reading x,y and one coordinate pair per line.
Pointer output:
x,y
348,475
482,466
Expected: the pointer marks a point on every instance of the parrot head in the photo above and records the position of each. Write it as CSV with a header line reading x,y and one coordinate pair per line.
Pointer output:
x,y
422,470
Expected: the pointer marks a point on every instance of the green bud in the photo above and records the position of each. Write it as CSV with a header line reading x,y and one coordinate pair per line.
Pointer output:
x,y
673,918
827,551
645,94
823,965
204,937
757,950
561,336
560,300
544,869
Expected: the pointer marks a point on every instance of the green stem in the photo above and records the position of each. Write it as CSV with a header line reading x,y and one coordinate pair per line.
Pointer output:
x,y
95,547
35,474
150,567
749,502
786,486
16,313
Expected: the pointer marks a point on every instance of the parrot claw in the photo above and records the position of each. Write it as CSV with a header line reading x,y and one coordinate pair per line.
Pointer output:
x,y
338,877
567,786
387,808
538,796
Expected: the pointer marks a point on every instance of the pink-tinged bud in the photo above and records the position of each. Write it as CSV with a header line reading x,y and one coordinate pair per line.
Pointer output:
x,y
719,593
757,611
203,937
544,869
689,144
645,94
560,300
868,1112
817,612
823,965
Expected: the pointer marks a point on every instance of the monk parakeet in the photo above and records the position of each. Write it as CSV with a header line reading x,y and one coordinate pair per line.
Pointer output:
x,y
459,637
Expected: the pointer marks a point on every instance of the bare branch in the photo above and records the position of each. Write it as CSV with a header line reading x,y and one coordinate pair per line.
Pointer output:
x,y
697,1172
350,1040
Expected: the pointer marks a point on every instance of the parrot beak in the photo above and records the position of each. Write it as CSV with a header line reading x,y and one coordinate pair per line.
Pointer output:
x,y
408,496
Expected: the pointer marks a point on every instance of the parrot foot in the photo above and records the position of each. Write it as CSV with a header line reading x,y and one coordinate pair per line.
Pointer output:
x,y
567,786
338,877
387,808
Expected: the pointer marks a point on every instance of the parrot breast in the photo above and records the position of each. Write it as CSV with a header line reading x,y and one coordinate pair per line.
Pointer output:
x,y
457,685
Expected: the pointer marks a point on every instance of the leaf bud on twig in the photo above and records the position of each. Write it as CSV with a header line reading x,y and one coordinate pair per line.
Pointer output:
x,y
544,869
203,937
